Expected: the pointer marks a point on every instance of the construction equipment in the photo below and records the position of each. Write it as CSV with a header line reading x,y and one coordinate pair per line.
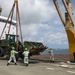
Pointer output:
x,y
34,47
12,39
68,24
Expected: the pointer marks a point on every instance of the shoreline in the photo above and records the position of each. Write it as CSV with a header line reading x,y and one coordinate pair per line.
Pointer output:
x,y
56,56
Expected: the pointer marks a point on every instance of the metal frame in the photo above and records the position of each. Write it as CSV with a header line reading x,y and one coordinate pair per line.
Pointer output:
x,y
18,24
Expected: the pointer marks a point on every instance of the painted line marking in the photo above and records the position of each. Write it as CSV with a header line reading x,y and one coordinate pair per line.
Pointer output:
x,y
43,66
50,68
57,65
71,72
64,65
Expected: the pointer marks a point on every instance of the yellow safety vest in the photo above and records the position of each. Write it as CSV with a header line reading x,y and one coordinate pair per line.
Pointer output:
x,y
11,54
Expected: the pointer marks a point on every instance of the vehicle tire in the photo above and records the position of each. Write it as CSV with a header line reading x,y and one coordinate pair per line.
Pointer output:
x,y
21,55
17,56
2,52
74,55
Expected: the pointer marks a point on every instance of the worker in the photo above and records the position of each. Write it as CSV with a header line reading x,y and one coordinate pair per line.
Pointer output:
x,y
51,55
26,54
12,56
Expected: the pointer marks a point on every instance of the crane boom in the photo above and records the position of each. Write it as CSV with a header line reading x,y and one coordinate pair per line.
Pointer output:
x,y
59,12
66,7
68,24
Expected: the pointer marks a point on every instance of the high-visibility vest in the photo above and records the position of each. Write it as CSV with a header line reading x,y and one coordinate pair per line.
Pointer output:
x,y
11,53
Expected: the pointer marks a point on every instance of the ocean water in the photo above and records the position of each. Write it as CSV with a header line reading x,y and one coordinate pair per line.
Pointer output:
x,y
56,51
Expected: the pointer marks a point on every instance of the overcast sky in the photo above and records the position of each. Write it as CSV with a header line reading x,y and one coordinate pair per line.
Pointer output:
x,y
40,21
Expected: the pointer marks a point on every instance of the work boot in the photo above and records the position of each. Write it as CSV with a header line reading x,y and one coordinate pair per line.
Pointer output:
x,y
26,64
51,61
7,64
15,64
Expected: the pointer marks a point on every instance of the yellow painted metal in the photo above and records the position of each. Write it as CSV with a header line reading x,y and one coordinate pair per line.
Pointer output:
x,y
71,40
16,1
68,8
68,24
70,28
59,12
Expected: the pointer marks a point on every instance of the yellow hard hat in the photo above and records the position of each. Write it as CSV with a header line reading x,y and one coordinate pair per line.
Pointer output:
x,y
26,49
13,48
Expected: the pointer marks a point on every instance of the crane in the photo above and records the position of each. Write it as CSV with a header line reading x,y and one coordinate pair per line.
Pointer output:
x,y
18,24
68,24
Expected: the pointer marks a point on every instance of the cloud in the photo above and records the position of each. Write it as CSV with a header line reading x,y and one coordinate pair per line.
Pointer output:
x,y
36,11
12,30
40,21
46,34
56,40
31,11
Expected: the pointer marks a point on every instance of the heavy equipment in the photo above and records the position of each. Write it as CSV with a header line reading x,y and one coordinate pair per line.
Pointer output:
x,y
12,39
34,47
68,24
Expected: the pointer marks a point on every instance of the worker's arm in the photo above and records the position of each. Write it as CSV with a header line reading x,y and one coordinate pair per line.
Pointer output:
x,y
23,53
15,51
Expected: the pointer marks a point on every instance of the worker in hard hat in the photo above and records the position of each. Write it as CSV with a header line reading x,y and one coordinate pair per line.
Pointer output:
x,y
26,54
51,55
12,56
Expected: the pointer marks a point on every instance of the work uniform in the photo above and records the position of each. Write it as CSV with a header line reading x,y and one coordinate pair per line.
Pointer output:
x,y
51,56
12,56
26,53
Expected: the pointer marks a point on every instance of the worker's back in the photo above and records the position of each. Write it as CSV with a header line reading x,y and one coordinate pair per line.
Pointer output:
x,y
12,53
26,53
51,52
